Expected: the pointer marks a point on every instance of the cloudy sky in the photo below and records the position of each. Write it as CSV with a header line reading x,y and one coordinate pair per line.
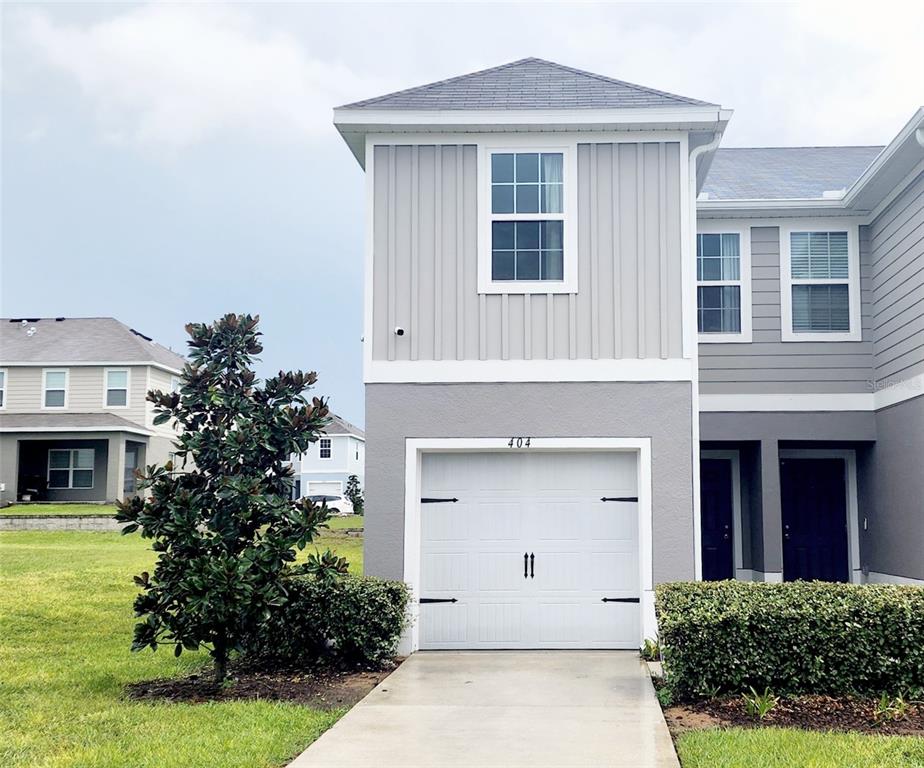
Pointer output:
x,y
169,162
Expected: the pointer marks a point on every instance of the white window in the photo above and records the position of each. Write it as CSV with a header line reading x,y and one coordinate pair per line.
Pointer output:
x,y
70,468
723,282
819,283
116,394
2,388
174,384
527,203
54,388
324,447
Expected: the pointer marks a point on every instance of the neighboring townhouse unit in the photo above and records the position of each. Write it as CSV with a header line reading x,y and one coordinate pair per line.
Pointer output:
x,y
327,466
74,421
580,382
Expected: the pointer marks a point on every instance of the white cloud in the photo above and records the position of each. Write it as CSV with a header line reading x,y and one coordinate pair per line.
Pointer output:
x,y
174,75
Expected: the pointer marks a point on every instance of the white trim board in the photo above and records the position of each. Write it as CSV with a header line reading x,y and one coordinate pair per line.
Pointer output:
x,y
133,430
475,371
94,364
874,577
849,456
413,462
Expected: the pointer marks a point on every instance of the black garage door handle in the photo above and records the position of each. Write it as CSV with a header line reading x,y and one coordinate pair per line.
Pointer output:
x,y
620,600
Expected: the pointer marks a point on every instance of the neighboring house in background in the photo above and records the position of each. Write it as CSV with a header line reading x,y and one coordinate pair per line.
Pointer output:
x,y
74,419
328,464
581,380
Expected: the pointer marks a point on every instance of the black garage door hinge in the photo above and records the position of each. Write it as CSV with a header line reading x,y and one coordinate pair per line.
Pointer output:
x,y
438,600
620,600
620,498
429,500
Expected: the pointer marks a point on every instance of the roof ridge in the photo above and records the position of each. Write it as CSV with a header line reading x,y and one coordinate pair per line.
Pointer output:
x,y
426,86
615,81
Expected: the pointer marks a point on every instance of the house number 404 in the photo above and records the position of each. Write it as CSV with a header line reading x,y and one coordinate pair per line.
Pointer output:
x,y
519,442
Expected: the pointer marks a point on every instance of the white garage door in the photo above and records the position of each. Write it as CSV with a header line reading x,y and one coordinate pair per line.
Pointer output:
x,y
529,556
325,488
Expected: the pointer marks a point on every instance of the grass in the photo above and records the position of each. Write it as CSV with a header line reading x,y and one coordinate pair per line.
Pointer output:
x,y
788,748
65,609
39,510
349,521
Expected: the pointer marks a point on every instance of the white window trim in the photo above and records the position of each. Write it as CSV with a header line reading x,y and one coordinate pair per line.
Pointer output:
x,y
853,278
70,470
67,382
5,388
128,388
849,455
415,448
568,150
330,448
745,335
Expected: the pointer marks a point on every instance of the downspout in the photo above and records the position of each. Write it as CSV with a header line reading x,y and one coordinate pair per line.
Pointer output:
x,y
693,345
919,135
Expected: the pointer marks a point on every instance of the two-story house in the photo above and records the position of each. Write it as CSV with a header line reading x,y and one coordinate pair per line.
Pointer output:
x,y
326,467
74,421
602,353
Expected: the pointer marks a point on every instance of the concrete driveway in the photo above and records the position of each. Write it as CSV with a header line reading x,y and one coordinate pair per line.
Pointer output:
x,y
508,708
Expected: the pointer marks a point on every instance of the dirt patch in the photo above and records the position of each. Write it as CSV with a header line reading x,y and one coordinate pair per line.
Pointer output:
x,y
319,689
815,713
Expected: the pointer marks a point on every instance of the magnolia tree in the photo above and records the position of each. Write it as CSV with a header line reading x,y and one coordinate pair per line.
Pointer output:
x,y
225,527
354,493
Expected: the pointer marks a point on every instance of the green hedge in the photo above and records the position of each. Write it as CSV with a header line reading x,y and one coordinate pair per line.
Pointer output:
x,y
804,637
356,622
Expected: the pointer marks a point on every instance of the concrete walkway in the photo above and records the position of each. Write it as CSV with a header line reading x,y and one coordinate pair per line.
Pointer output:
x,y
534,709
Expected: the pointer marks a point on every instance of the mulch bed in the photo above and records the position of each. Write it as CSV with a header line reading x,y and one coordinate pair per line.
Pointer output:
x,y
815,713
319,688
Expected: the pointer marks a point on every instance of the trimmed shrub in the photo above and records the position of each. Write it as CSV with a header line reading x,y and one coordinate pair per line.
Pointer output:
x,y
354,622
798,638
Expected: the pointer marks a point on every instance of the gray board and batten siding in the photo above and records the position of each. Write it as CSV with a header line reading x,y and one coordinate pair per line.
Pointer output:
x,y
425,261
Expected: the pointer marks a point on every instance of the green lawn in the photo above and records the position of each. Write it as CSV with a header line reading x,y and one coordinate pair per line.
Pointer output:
x,y
65,613
787,748
59,509
350,521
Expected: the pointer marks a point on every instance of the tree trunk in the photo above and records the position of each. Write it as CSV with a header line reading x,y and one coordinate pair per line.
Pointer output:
x,y
221,663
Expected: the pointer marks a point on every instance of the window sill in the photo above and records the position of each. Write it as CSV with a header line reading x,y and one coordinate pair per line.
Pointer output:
x,y
528,286
788,336
725,338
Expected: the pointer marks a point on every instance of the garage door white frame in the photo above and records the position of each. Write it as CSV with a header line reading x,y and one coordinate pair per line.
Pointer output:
x,y
415,447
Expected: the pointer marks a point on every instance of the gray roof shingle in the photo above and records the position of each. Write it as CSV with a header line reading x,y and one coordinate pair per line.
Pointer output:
x,y
340,426
104,422
779,173
527,84
79,340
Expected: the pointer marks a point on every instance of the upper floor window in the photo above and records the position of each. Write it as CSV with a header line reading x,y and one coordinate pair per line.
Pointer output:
x,y
71,468
819,286
174,384
54,390
2,389
528,238
723,286
324,447
116,395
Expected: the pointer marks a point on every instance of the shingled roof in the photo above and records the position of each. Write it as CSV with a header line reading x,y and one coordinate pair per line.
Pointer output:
x,y
527,84
79,340
339,426
780,173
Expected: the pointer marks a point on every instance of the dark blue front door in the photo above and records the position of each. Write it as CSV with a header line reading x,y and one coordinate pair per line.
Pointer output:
x,y
815,540
715,490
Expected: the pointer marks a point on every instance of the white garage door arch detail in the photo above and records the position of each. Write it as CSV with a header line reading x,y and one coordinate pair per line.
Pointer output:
x,y
415,448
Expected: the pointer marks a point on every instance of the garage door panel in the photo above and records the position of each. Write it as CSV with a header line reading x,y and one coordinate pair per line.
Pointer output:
x,y
547,504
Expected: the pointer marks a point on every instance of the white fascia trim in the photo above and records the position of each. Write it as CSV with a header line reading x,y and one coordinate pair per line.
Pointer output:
x,y
133,430
537,119
850,401
482,371
853,278
416,447
849,456
891,391
743,230
93,364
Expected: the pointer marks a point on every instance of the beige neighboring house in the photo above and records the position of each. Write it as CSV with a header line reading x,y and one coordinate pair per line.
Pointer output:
x,y
74,419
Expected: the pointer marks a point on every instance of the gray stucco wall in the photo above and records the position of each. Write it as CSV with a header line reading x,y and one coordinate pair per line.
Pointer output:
x,y
894,543
661,411
628,302
897,242
770,365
